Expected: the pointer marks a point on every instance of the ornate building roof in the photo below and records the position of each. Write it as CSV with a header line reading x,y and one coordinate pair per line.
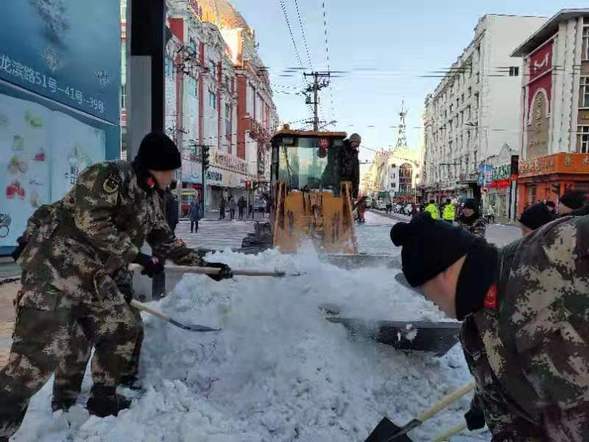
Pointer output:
x,y
223,14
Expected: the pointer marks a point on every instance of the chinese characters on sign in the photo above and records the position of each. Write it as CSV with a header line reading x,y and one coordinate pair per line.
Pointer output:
x,y
25,73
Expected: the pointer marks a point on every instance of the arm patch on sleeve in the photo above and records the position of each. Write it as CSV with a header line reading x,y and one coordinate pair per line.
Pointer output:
x,y
111,183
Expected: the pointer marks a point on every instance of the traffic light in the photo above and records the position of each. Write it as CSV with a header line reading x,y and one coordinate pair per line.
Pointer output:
x,y
205,157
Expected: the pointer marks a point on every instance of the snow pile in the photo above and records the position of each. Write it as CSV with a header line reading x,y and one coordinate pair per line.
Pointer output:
x,y
278,371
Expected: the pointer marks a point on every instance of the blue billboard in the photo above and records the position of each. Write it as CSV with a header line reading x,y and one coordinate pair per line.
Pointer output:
x,y
65,50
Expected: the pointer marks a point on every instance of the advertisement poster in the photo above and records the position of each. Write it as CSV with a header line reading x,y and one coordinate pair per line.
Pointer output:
x,y
65,50
43,151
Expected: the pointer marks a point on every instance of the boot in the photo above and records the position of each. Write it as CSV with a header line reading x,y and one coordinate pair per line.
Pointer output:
x,y
62,403
131,382
104,401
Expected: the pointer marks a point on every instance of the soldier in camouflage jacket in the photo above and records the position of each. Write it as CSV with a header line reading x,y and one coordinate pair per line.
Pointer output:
x,y
75,280
525,310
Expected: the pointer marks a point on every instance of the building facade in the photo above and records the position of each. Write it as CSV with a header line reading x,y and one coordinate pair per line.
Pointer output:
x,y
474,111
396,172
555,101
218,96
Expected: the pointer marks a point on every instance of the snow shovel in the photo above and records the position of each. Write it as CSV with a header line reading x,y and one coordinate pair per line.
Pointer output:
x,y
451,432
387,431
214,271
191,327
437,337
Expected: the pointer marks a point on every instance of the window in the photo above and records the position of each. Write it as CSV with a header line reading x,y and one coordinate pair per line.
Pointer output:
x,y
583,139
584,93
212,99
585,53
513,71
228,121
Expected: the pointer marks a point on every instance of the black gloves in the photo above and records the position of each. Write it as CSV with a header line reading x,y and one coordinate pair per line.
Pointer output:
x,y
225,272
151,265
19,248
475,419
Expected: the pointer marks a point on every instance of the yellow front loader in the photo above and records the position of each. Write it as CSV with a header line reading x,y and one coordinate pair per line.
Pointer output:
x,y
310,201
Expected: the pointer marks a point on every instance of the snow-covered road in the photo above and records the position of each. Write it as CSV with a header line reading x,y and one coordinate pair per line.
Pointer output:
x,y
278,371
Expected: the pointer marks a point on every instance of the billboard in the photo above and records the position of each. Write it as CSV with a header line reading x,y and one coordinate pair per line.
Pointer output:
x,y
60,81
63,50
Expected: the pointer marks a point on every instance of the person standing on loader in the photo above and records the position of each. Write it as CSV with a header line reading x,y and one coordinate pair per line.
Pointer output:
x,y
75,282
349,164
449,212
432,209
524,310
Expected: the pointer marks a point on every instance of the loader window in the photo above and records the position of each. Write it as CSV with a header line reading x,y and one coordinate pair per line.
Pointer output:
x,y
305,166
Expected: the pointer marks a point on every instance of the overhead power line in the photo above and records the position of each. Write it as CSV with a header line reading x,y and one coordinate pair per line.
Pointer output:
x,y
302,26
294,43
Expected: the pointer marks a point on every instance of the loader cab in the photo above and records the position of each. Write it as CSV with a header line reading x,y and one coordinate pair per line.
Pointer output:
x,y
307,160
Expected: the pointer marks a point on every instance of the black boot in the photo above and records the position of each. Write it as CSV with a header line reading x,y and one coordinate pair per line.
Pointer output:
x,y
131,382
104,401
62,403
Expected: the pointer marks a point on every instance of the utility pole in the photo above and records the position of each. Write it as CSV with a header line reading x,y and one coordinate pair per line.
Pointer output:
x,y
320,81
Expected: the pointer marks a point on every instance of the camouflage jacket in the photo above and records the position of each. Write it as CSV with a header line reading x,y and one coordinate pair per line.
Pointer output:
x,y
528,349
92,234
477,228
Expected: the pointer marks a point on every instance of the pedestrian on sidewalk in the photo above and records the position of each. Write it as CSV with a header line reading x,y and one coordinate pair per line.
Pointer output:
x,y
222,208
171,207
524,313
194,214
232,207
471,220
241,205
490,214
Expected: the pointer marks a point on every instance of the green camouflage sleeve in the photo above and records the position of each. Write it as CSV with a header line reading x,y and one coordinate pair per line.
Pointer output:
x,y
97,193
163,241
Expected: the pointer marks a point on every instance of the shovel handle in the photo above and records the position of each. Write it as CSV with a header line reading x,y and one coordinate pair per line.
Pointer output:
x,y
445,401
142,307
444,437
213,271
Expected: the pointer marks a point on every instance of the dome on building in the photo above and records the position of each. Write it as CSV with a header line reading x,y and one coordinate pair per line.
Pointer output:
x,y
223,14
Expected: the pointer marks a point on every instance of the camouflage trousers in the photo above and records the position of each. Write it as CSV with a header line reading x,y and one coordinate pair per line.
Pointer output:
x,y
41,340
72,364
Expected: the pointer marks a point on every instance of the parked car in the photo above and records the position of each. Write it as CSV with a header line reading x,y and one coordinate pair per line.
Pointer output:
x,y
260,204
381,204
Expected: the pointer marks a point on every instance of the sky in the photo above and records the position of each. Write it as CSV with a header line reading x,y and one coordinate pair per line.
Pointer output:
x,y
383,47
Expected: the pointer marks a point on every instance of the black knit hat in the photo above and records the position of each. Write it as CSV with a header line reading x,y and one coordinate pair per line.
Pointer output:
x,y
429,247
573,199
536,216
158,152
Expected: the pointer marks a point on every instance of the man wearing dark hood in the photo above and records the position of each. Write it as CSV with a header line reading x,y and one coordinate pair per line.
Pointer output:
x,y
471,219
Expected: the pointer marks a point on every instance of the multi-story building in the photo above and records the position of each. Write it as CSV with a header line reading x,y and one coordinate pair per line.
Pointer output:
x,y
395,171
474,111
217,95
555,101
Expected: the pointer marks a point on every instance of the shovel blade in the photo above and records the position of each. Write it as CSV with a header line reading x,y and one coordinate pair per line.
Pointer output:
x,y
435,337
193,327
385,431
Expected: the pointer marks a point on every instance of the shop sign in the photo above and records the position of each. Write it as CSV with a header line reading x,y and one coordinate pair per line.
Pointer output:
x,y
214,177
502,172
577,163
223,159
485,174
45,49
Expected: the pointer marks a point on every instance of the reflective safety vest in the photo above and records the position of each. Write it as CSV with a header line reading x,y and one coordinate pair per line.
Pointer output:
x,y
433,210
449,212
